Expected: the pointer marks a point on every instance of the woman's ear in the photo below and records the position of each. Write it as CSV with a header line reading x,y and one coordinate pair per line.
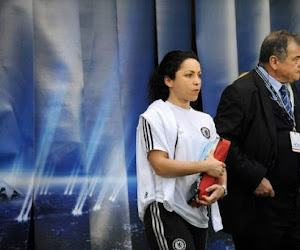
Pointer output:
x,y
168,81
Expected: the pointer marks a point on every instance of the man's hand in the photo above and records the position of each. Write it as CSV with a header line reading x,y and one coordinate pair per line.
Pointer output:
x,y
264,189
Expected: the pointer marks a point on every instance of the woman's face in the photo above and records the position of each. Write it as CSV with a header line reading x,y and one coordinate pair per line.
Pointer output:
x,y
186,85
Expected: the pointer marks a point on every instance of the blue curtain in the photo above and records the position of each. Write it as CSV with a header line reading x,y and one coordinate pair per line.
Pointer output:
x,y
16,120
174,26
73,82
217,48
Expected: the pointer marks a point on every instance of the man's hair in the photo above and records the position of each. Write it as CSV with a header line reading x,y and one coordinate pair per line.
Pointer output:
x,y
276,44
169,65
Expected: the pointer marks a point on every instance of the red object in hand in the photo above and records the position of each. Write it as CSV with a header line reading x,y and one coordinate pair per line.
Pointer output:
x,y
206,180
220,154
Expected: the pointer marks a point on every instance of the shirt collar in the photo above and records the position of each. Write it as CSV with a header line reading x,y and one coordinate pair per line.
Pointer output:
x,y
275,84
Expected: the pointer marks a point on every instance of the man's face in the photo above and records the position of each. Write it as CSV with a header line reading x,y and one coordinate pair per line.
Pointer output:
x,y
288,71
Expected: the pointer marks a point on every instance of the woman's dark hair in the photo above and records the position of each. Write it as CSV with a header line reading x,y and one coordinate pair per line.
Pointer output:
x,y
276,44
169,65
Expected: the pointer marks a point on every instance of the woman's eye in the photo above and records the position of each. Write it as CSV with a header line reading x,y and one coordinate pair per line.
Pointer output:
x,y
189,75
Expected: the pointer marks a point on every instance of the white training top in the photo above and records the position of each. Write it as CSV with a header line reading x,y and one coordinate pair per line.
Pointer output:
x,y
195,130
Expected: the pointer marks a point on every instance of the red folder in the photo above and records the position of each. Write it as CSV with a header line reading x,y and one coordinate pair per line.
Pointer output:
x,y
206,180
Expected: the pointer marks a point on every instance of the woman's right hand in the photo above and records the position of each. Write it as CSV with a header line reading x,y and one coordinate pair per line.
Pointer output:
x,y
215,168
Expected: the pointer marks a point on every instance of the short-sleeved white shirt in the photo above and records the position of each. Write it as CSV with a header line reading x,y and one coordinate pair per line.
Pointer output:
x,y
195,130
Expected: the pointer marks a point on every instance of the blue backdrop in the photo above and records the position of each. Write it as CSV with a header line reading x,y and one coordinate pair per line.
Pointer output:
x,y
73,78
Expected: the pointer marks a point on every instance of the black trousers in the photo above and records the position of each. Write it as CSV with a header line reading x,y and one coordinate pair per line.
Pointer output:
x,y
167,230
277,226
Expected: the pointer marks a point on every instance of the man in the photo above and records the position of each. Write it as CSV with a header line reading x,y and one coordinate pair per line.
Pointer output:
x,y
262,209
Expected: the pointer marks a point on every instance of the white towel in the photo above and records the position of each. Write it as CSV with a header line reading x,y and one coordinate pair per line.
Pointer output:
x,y
159,115
216,219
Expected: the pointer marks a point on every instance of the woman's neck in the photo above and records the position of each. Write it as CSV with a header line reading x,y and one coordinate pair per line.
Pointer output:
x,y
181,104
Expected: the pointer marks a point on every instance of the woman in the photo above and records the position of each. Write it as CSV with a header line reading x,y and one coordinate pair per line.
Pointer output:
x,y
171,138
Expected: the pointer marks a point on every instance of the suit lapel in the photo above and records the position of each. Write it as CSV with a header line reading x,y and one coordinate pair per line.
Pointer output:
x,y
265,100
296,106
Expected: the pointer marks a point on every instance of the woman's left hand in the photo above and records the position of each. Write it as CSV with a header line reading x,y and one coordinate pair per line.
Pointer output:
x,y
216,190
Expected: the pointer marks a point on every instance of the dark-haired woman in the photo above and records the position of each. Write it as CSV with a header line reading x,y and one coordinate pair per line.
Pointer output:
x,y
171,137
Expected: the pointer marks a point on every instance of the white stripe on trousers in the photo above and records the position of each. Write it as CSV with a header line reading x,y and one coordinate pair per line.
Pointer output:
x,y
158,227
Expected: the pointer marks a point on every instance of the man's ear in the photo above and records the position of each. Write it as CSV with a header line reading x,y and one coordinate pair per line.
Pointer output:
x,y
168,81
273,61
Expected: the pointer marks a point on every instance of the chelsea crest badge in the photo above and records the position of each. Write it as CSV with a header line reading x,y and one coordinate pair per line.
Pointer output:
x,y
205,132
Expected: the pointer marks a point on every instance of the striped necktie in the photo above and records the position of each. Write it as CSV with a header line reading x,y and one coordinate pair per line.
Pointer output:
x,y
285,97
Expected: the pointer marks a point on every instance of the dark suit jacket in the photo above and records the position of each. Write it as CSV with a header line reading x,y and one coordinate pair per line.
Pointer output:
x,y
245,117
